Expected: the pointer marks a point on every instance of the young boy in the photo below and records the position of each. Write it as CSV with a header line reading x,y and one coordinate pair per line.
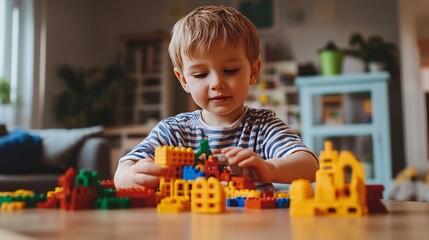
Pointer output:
x,y
216,56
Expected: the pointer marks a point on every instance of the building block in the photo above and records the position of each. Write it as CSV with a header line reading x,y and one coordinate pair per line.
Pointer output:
x,y
168,155
208,196
203,149
174,205
86,178
260,203
282,202
12,206
374,194
109,184
191,173
211,167
113,203
340,187
231,202
243,182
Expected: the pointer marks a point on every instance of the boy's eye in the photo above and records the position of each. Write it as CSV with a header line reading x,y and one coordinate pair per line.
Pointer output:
x,y
231,70
199,75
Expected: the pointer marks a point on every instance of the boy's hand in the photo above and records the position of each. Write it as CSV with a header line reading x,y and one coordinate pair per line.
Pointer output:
x,y
247,158
139,173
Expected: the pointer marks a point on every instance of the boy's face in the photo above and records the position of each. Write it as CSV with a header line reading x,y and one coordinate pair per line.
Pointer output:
x,y
219,81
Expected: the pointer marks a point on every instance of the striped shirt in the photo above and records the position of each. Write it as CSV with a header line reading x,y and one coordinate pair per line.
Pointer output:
x,y
256,129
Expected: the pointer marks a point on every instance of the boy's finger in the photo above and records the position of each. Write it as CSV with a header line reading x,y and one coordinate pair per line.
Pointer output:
x,y
145,180
151,168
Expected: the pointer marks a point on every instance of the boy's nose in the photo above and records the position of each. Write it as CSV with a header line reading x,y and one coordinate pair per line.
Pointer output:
x,y
217,82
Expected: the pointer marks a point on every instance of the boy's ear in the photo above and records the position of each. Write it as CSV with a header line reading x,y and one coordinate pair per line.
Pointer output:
x,y
254,74
181,79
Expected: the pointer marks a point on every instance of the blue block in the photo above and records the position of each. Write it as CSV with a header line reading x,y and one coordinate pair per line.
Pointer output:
x,y
282,202
191,173
231,202
241,201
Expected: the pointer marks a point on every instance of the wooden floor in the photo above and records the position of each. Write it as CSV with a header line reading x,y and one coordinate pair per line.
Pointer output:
x,y
406,220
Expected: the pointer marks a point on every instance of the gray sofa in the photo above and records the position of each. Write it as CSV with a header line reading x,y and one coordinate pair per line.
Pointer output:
x,y
89,151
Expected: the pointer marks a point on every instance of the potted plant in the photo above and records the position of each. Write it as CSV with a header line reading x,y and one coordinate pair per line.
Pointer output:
x,y
331,59
90,96
376,53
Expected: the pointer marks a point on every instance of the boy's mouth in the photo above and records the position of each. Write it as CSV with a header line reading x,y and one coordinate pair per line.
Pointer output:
x,y
219,98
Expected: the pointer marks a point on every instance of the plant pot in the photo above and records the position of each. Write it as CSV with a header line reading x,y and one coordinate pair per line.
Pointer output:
x,y
331,62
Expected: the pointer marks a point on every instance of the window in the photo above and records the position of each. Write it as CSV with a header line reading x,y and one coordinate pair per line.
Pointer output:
x,y
16,61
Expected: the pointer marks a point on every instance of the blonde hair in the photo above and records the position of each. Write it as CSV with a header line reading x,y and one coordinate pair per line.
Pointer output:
x,y
194,34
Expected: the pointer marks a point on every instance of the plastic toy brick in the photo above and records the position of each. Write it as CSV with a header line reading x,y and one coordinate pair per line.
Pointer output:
x,y
211,167
267,189
67,182
247,193
260,203
182,188
243,182
231,202
191,173
230,190
168,155
241,201
142,192
110,184
139,197
282,202
225,175
165,187
83,198
340,187
113,203
203,149
208,196
12,206
281,195
86,178
374,194
174,205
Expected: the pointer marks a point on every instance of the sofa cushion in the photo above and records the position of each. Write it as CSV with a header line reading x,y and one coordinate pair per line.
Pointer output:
x,y
61,146
20,152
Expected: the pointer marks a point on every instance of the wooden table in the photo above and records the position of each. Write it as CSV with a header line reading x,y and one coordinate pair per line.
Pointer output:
x,y
406,220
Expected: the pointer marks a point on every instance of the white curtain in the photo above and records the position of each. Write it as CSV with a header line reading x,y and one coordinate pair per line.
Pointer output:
x,y
17,44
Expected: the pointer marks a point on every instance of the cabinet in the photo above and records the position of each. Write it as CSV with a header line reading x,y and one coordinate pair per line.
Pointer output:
x,y
276,90
352,111
146,94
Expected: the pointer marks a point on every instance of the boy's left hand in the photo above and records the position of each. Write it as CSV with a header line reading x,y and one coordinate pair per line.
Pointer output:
x,y
247,158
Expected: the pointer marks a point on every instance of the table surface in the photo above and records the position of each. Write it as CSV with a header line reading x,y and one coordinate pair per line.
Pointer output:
x,y
406,220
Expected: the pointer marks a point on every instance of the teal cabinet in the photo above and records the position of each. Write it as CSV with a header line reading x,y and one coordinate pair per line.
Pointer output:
x,y
352,111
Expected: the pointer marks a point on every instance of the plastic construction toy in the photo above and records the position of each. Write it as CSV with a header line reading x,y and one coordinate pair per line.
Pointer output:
x,y
340,187
209,185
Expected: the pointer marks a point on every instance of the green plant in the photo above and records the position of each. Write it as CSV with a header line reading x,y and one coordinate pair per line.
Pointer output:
x,y
90,96
373,49
4,91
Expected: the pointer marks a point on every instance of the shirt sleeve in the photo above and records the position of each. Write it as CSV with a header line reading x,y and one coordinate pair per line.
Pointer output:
x,y
279,139
160,135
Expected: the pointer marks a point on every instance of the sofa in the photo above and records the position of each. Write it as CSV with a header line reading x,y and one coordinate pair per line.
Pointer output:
x,y
34,159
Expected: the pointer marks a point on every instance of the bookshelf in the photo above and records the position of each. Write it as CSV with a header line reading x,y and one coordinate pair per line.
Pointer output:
x,y
146,95
352,111
276,90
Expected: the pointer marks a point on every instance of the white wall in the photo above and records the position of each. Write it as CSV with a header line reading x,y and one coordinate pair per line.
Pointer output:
x,y
84,32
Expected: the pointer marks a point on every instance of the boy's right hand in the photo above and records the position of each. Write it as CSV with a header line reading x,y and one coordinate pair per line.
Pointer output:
x,y
138,173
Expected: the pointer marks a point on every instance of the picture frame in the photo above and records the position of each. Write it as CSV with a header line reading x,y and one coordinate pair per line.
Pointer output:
x,y
263,13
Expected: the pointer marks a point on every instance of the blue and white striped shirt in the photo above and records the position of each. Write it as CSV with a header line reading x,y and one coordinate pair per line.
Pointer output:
x,y
256,129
